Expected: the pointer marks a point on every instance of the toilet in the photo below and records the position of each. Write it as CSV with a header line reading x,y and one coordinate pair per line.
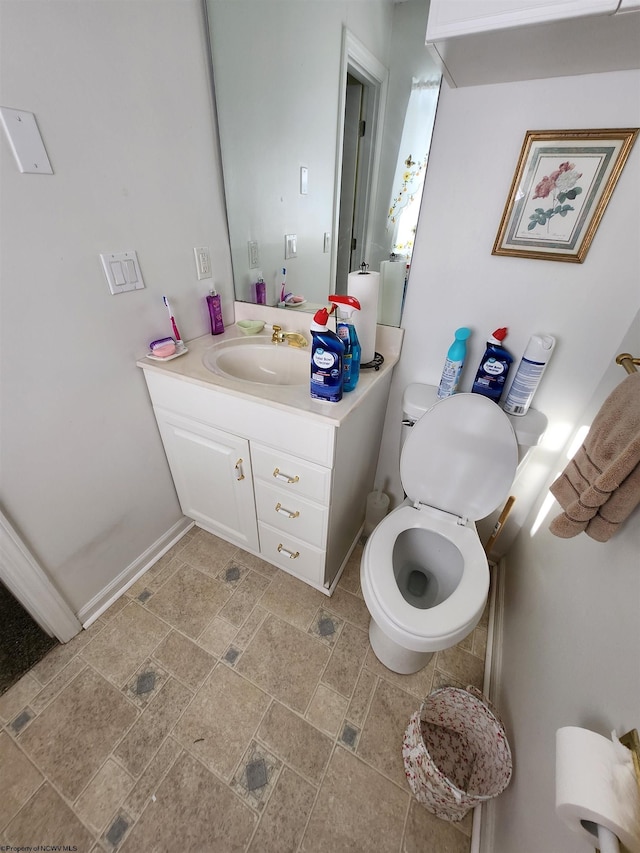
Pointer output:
x,y
424,573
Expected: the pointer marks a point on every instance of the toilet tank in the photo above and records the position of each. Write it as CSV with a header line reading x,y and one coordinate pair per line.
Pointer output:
x,y
418,398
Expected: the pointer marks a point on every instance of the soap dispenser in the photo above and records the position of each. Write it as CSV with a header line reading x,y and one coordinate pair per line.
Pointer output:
x,y
346,331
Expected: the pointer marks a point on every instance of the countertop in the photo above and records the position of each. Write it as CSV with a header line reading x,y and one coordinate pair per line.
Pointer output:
x,y
190,368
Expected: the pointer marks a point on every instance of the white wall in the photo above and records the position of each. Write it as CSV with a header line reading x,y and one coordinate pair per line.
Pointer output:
x,y
571,636
121,95
455,281
569,652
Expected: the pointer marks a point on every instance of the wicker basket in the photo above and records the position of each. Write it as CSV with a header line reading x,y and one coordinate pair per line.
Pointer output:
x,y
456,754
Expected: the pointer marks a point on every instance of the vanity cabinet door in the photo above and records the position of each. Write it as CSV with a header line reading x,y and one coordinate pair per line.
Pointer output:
x,y
212,473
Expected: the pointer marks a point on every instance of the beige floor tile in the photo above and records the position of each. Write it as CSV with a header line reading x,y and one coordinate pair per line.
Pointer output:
x,y
292,600
327,710
145,787
193,811
356,809
424,831
102,796
480,641
285,662
57,684
217,635
47,819
19,779
115,608
380,742
463,666
285,816
189,600
299,743
346,660
351,607
350,578
361,698
145,684
122,646
207,552
222,719
255,563
152,726
73,736
245,597
419,683
248,630
184,659
19,695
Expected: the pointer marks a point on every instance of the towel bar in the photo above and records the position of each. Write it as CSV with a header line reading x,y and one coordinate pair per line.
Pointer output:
x,y
626,360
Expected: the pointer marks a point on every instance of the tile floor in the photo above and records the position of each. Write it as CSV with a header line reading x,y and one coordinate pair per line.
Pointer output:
x,y
221,705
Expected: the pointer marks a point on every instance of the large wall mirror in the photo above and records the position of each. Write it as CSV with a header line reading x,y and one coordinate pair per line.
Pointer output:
x,y
326,111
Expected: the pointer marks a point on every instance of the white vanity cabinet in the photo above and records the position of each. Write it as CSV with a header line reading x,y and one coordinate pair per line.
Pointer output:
x,y
211,471
287,485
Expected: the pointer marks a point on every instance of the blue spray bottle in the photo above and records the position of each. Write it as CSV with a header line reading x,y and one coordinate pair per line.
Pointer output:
x,y
327,351
454,363
494,368
346,331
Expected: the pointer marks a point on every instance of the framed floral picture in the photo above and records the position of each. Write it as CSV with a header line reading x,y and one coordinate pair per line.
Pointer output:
x,y
562,185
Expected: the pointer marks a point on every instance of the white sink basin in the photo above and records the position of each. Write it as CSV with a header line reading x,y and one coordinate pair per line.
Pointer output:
x,y
259,361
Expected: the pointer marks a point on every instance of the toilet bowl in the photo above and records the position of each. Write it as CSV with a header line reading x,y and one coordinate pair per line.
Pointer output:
x,y
424,573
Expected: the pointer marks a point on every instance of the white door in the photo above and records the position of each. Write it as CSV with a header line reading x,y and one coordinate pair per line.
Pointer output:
x,y
211,471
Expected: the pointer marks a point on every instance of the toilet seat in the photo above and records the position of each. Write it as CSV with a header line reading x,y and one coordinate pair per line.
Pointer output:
x,y
444,624
474,464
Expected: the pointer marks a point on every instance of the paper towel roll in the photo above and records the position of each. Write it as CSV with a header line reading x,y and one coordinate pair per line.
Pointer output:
x,y
392,276
596,785
365,287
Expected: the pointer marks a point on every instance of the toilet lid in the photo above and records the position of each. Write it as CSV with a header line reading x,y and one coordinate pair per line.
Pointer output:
x,y
460,456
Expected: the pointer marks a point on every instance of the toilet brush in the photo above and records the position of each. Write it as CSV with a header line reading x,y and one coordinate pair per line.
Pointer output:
x,y
377,508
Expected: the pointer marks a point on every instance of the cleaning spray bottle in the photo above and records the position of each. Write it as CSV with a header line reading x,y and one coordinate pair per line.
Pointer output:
x,y
327,352
346,331
454,363
494,367
529,373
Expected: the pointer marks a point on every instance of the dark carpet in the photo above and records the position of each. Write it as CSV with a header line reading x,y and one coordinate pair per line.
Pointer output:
x,y
22,641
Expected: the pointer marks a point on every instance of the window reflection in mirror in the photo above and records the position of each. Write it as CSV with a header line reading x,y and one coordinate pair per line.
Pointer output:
x,y
279,76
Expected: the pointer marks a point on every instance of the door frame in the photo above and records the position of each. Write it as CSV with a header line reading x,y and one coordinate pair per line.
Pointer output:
x,y
358,61
28,583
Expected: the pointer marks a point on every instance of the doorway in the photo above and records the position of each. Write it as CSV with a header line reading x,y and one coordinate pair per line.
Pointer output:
x,y
363,95
22,641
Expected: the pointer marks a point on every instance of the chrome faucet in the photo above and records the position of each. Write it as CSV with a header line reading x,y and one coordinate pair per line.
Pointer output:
x,y
294,339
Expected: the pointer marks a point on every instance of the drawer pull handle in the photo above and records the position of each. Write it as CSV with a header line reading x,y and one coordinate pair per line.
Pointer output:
x,y
280,508
285,477
239,471
291,554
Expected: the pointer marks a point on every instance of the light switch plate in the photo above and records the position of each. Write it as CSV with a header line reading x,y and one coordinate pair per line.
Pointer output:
x,y
25,141
122,271
290,246
203,261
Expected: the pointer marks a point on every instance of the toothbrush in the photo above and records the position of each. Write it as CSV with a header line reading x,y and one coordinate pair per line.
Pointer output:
x,y
173,322
283,289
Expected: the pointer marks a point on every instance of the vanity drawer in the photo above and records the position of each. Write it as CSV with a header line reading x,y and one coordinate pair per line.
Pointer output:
x,y
292,475
292,514
294,556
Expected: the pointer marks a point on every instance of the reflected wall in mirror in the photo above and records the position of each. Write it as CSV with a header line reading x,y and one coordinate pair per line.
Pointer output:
x,y
280,73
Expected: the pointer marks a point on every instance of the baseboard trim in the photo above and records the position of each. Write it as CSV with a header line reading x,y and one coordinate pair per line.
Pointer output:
x,y
119,585
483,829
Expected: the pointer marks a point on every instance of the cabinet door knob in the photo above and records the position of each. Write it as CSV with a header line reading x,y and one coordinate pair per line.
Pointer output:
x,y
239,471
280,508
291,554
279,476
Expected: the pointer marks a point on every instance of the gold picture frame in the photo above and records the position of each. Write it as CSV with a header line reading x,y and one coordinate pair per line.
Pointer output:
x,y
560,190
